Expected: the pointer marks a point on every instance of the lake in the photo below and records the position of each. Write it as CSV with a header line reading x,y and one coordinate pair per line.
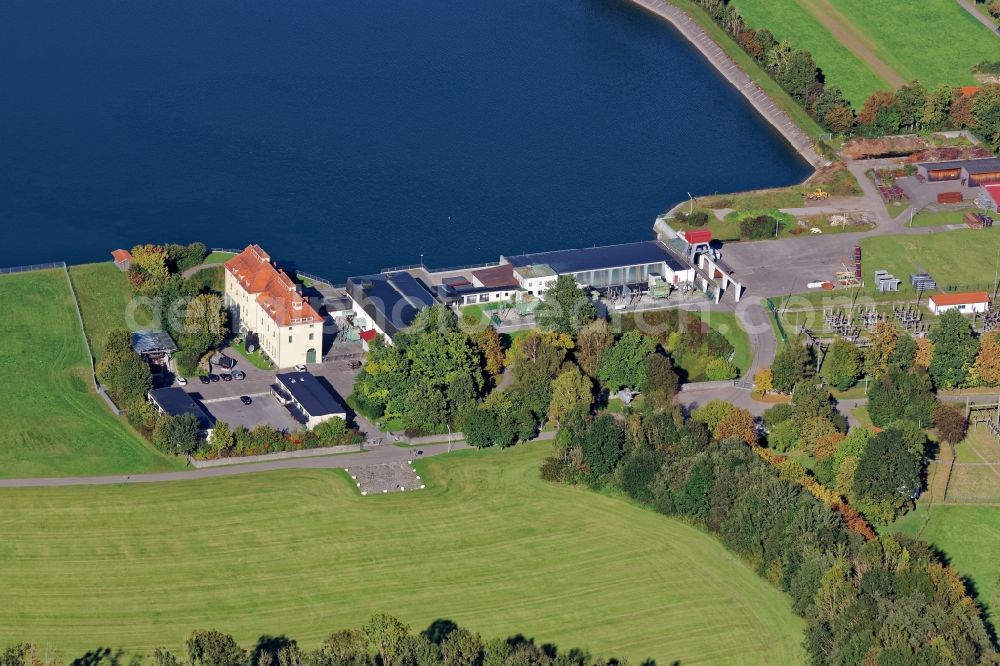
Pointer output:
x,y
347,137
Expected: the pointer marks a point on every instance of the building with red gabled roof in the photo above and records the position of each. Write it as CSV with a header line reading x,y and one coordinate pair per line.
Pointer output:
x,y
122,259
964,302
262,299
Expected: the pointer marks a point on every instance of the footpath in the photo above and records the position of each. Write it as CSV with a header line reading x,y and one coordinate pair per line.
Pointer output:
x,y
736,76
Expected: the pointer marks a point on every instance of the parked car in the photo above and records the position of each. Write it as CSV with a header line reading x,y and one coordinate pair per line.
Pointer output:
x,y
214,378
182,381
226,377
420,453
300,367
239,375
204,380
246,400
225,361
355,365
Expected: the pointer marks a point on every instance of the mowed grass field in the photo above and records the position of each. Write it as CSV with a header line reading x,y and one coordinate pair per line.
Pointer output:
x,y
792,20
969,535
863,46
488,545
53,423
966,257
935,41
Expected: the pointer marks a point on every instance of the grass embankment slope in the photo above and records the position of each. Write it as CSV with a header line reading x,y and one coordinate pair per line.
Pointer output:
x,y
104,295
54,424
863,46
966,257
748,65
488,545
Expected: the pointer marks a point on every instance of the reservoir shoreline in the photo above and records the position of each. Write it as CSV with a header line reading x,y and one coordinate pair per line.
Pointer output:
x,y
742,81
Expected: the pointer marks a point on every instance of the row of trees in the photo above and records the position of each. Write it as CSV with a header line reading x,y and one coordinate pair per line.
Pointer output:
x,y
913,108
910,108
952,356
382,641
865,598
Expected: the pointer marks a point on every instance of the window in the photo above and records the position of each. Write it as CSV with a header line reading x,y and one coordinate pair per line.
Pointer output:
x,y
484,298
289,339
310,337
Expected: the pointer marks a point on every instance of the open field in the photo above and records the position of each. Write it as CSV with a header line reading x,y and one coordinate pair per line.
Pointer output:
x,y
965,258
863,46
795,21
899,31
970,537
218,257
487,545
53,422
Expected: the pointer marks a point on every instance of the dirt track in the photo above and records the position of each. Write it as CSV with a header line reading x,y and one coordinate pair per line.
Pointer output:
x,y
847,34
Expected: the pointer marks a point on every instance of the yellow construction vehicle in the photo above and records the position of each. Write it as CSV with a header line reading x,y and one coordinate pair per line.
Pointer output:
x,y
819,194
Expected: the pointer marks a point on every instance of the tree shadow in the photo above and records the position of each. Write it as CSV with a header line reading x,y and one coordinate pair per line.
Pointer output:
x,y
270,646
439,630
103,656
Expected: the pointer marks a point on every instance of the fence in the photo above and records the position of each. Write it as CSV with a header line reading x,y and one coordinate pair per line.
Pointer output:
x,y
83,331
32,267
776,320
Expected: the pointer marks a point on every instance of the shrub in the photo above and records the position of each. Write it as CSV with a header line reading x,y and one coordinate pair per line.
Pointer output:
x,y
759,227
719,369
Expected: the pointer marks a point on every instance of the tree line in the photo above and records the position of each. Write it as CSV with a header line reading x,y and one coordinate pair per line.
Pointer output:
x,y
382,641
866,598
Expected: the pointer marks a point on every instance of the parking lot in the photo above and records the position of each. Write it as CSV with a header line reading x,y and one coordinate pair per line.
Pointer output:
x,y
263,410
222,398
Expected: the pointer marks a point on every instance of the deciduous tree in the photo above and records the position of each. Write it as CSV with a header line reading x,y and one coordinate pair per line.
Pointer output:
x,y
792,364
593,340
843,364
565,307
625,363
571,389
738,424
955,351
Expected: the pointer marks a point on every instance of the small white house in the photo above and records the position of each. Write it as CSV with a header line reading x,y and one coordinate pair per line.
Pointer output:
x,y
965,302
313,401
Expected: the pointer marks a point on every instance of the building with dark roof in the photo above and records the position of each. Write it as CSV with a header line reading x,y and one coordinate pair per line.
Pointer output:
x,y
628,264
390,301
313,400
174,401
973,172
155,347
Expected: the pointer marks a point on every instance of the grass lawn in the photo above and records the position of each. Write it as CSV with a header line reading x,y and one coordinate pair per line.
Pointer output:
x,y
965,258
104,294
255,359
53,422
970,537
487,545
750,66
899,33
939,219
791,20
727,324
218,257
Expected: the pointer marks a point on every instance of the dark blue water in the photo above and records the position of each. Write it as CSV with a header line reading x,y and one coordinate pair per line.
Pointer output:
x,y
351,136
